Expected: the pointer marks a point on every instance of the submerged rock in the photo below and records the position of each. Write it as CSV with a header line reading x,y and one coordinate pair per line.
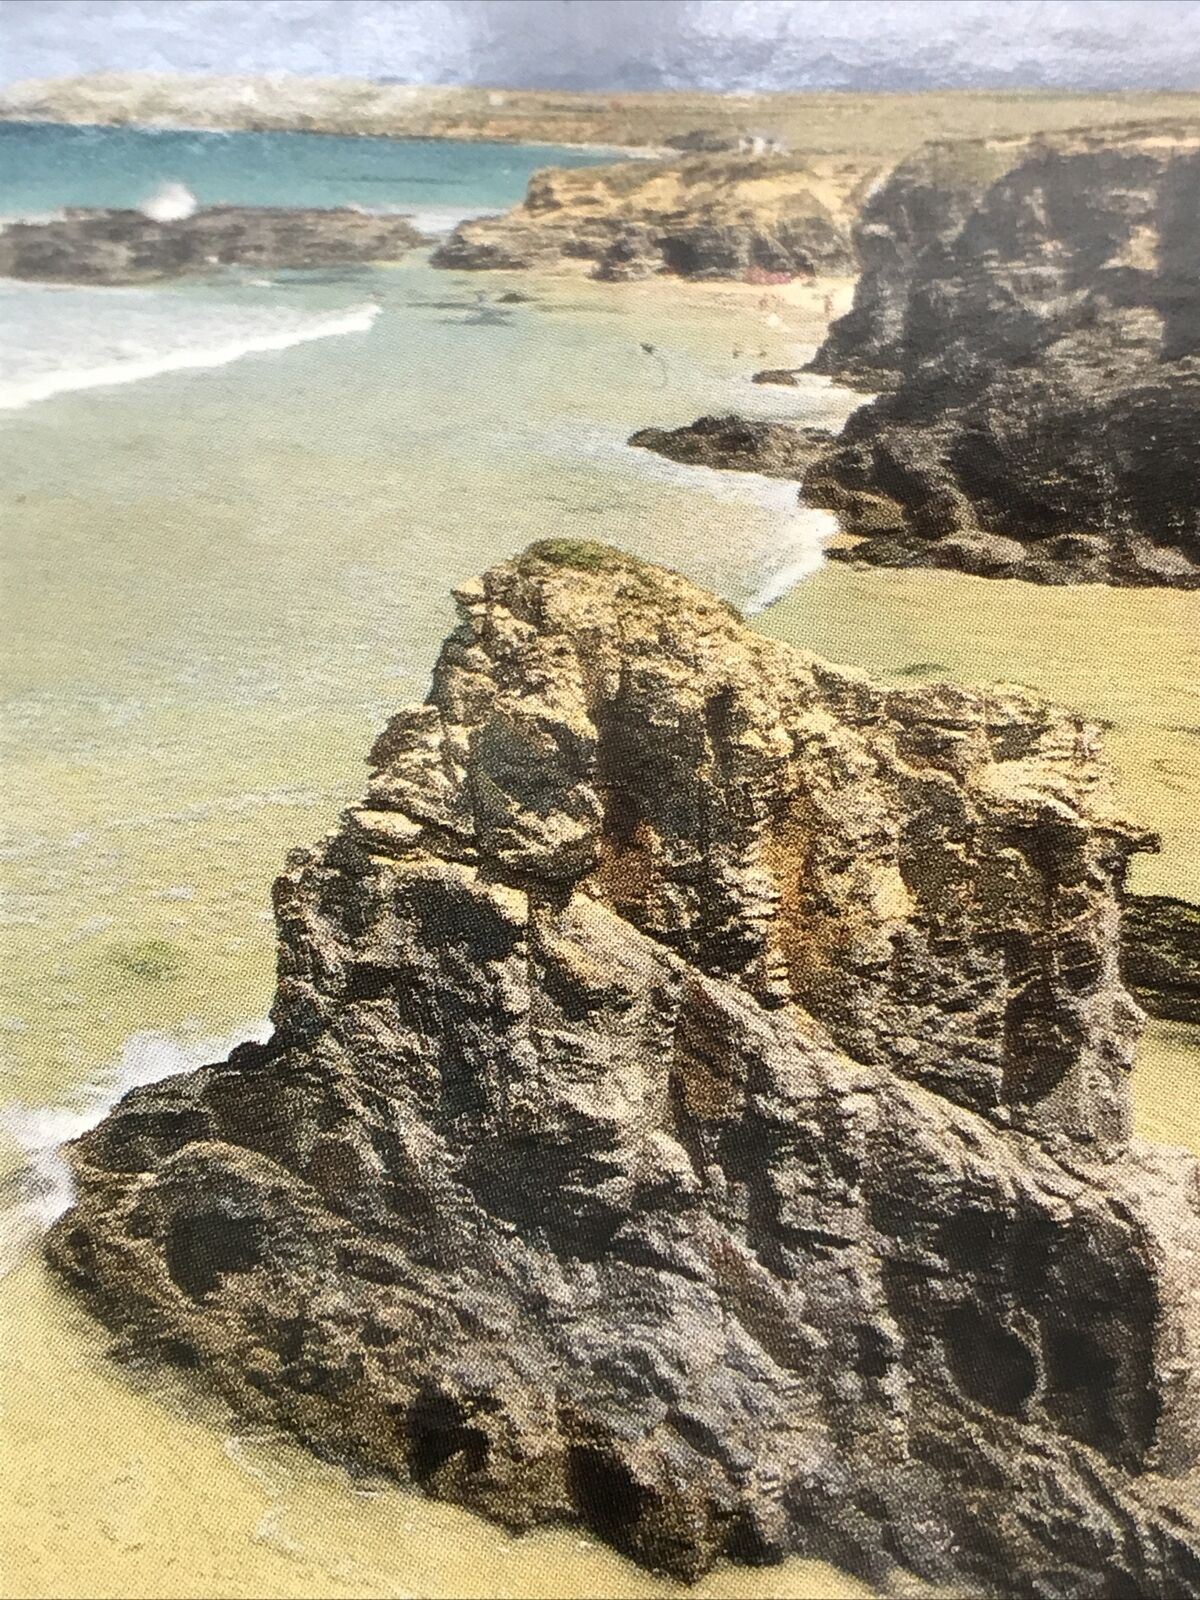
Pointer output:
x,y
736,444
699,1107
1032,313
126,246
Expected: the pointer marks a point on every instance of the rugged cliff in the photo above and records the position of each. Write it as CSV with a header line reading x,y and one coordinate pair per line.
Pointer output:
x,y
127,246
703,217
698,1106
1034,316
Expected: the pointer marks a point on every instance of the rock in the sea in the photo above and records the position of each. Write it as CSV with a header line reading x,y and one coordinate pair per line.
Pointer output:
x,y
787,377
1161,955
738,444
1032,312
698,1107
707,217
125,246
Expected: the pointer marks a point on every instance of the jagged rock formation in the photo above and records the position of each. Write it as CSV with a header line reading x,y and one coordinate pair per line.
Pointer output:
x,y
126,246
736,444
1033,312
1161,955
698,1106
702,217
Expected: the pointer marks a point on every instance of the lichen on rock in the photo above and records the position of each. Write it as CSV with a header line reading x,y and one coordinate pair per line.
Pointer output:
x,y
698,1106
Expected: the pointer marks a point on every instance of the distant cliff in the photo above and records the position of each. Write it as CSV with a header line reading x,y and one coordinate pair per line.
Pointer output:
x,y
713,216
1032,314
698,1108
872,128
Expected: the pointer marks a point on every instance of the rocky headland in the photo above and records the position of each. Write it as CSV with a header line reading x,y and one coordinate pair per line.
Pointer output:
x,y
127,246
698,1107
1031,312
767,218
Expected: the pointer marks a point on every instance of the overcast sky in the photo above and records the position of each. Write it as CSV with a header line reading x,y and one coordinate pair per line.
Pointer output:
x,y
623,44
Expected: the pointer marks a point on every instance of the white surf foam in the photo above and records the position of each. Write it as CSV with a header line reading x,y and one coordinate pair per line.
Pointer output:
x,y
39,1188
797,556
61,341
437,221
170,202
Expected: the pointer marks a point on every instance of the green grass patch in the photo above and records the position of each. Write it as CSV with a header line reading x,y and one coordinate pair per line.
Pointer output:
x,y
585,555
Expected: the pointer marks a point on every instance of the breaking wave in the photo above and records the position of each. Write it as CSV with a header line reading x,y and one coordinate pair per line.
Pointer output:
x,y
67,340
37,1187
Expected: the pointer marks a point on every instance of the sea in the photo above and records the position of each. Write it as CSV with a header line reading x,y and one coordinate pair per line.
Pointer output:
x,y
234,509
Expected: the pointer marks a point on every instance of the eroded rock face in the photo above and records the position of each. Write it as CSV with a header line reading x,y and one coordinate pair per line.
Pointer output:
x,y
706,217
126,246
698,1106
1033,316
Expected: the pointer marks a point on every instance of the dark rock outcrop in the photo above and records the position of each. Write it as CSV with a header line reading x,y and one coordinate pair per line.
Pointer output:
x,y
1037,334
698,1106
710,217
787,377
125,246
736,444
902,237
1161,955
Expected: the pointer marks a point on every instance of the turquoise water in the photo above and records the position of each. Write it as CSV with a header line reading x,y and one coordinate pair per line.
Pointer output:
x,y
55,339
43,167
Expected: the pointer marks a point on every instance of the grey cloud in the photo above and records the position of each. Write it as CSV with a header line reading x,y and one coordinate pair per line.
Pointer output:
x,y
624,44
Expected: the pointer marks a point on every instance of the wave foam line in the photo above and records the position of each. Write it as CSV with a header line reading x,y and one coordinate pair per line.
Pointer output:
x,y
803,553
436,221
40,1189
15,396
